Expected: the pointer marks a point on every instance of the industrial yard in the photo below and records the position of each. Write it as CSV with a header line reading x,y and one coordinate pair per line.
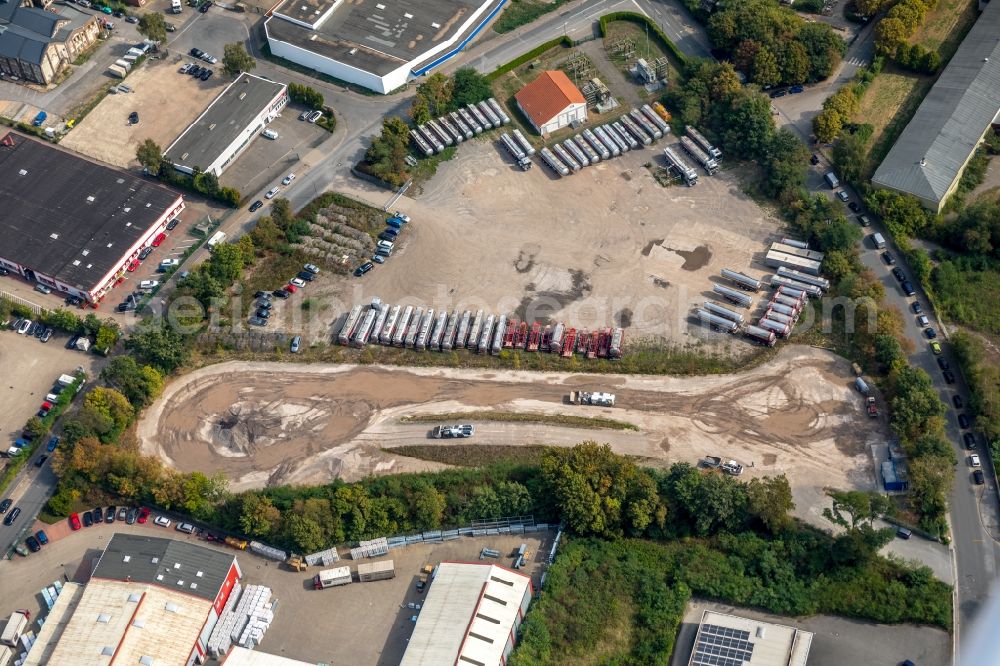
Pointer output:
x,y
639,256
288,423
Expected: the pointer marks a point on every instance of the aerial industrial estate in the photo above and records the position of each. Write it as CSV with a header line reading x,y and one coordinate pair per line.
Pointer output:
x,y
308,364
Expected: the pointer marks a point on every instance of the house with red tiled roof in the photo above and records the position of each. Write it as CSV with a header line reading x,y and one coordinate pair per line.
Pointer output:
x,y
551,102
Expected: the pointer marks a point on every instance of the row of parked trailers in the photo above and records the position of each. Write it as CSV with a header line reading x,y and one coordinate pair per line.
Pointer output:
x,y
415,327
633,130
792,288
457,126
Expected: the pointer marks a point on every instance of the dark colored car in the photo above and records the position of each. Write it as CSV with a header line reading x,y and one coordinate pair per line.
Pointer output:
x,y
898,274
263,313
978,477
264,304
888,258
963,421
88,519
814,159
32,544
194,71
172,224
363,268
930,333
256,205
12,516
42,537
949,378
257,321
71,343
133,118
778,93
41,461
109,514
386,236
854,206
917,309
133,513
306,275
943,363
970,440
908,288
145,252
4,505
957,401
262,294
197,53
280,293
97,515
206,75
205,7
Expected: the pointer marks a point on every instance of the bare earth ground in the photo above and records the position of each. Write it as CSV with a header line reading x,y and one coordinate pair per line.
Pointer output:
x,y
166,102
266,424
605,246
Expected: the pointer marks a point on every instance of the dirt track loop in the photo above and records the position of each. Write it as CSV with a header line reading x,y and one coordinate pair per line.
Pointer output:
x,y
274,423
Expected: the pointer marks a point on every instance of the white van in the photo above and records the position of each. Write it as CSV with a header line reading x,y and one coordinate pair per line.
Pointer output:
x,y
216,239
175,6
878,241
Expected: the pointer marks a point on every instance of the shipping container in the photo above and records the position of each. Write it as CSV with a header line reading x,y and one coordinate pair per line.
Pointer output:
x,y
370,571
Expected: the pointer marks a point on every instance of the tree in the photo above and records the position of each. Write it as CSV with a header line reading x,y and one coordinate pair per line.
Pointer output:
x,y
914,403
765,68
484,504
889,34
850,152
139,384
794,63
201,493
854,508
469,87
771,501
235,59
387,153
827,125
419,112
750,128
428,507
108,405
160,346
226,263
153,26
436,91
783,162
258,517
150,155
305,533
106,338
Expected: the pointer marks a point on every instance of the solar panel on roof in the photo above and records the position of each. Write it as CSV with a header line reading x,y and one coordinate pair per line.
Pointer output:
x,y
722,646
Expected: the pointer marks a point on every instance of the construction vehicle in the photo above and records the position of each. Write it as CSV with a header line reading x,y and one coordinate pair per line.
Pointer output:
x,y
595,398
568,343
681,167
615,345
238,544
297,562
871,406
521,339
534,337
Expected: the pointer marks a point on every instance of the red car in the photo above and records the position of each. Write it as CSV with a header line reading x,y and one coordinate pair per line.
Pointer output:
x,y
132,266
159,240
291,288
144,514
74,522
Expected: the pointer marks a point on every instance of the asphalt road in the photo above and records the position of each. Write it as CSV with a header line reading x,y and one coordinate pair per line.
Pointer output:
x,y
30,493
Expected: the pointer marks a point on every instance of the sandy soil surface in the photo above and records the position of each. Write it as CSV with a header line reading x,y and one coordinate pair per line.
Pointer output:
x,y
166,101
606,246
267,424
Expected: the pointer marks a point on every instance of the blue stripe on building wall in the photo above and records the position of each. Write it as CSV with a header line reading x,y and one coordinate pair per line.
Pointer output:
x,y
465,42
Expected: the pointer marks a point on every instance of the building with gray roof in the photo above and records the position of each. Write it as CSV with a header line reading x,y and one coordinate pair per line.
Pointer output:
x,y
233,119
374,44
39,44
928,158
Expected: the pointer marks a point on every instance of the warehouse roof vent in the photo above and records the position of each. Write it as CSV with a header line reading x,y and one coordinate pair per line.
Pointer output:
x,y
90,199
23,172
54,236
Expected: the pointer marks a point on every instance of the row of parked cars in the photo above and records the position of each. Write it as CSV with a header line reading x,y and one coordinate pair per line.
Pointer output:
x,y
386,242
128,515
35,541
263,302
32,329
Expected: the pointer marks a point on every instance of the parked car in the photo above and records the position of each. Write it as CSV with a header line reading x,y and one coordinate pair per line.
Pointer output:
x,y
963,421
974,460
41,460
45,409
311,268
305,276
842,195
132,265
143,515
146,251
363,268
197,53
271,192
132,515
23,327
930,333
47,335
295,344
297,282
162,521
290,288
256,205
917,309
205,7
159,240
4,505
88,519
288,179
898,274
167,264
935,346
315,115
257,321
12,516
269,134
187,528
978,477
280,293
42,289
98,515
908,289
854,206
149,284
957,401
133,118
263,313
943,363
864,220
888,258
814,160
122,513
970,440
206,74
172,224
42,537
32,543
109,514
378,259
949,378
74,521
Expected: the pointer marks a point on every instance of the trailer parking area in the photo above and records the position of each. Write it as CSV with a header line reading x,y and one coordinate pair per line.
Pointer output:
x,y
166,101
604,247
282,423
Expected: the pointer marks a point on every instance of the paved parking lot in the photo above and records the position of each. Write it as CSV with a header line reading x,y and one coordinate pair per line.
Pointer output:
x,y
362,623
30,370
265,162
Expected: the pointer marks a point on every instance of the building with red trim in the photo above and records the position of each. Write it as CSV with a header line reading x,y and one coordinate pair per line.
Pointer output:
x,y
150,601
470,616
71,224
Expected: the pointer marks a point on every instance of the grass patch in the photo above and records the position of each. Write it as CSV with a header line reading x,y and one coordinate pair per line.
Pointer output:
x,y
890,102
566,420
523,12
645,47
967,290
945,26
473,455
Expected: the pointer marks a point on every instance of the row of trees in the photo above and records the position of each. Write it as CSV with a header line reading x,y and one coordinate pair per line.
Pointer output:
x,y
105,333
899,24
772,45
150,156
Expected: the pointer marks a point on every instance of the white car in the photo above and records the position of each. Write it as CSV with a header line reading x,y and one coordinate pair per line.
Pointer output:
x,y
287,179
403,216
187,528
974,460
298,282
149,284
209,58
269,134
42,289
923,321
271,192
185,67
162,521
312,268
23,328
315,115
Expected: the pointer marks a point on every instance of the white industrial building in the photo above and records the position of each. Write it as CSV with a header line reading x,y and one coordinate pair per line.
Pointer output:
x,y
233,119
470,616
552,102
730,640
376,45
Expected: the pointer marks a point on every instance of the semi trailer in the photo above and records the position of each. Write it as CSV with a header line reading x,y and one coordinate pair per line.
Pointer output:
x,y
553,162
699,155
683,169
703,143
566,158
717,322
741,280
735,297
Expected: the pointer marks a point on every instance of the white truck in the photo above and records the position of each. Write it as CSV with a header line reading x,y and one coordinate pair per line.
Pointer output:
x,y
332,578
175,6
217,238
16,625
597,398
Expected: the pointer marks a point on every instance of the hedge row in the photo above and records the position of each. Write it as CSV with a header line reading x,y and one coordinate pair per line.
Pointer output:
x,y
654,29
530,55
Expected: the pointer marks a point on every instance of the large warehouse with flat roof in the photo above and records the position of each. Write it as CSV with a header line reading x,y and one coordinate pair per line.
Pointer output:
x,y
71,224
233,119
930,155
470,616
375,44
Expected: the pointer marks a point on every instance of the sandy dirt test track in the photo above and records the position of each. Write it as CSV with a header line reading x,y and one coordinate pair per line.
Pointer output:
x,y
264,424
